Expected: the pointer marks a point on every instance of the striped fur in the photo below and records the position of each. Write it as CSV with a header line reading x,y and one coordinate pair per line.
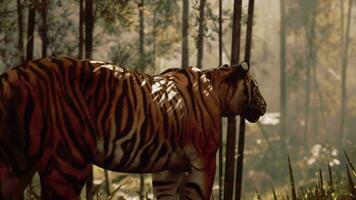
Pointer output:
x,y
60,115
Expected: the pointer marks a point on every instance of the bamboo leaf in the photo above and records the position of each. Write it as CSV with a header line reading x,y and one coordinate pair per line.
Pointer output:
x,y
274,194
350,183
292,184
350,163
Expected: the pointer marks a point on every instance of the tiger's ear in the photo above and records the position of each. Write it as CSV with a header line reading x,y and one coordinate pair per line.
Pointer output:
x,y
245,66
239,71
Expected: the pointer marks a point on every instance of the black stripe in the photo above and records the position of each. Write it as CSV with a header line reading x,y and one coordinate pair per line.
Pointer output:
x,y
83,148
74,183
196,188
162,183
28,112
190,90
162,151
163,195
127,148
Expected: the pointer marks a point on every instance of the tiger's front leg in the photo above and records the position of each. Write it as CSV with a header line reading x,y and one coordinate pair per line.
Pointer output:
x,y
166,185
62,180
199,182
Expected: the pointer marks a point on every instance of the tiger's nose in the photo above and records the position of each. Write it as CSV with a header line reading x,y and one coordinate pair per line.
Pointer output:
x,y
263,108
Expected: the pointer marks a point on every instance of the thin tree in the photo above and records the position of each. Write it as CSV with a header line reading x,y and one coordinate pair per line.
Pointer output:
x,y
81,28
89,27
141,7
20,47
141,29
231,129
313,65
30,39
310,36
30,30
185,34
20,31
343,76
200,39
221,165
154,37
283,84
241,143
321,103
44,26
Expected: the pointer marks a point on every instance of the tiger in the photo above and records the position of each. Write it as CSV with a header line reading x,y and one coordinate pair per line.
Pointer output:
x,y
61,115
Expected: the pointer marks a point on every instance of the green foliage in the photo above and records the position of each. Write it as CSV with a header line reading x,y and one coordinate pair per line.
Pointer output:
x,y
123,54
116,16
62,32
8,40
120,19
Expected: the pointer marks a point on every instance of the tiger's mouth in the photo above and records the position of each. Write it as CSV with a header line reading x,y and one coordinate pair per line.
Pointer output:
x,y
253,113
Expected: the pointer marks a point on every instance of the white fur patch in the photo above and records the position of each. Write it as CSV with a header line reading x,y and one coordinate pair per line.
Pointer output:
x,y
245,66
96,62
196,69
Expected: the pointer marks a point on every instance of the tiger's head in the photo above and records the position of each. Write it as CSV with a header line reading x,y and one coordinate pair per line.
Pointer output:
x,y
238,92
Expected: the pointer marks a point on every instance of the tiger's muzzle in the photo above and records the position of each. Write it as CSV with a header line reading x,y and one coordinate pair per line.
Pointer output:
x,y
254,111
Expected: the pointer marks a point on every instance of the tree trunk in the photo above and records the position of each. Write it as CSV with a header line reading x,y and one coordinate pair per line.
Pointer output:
x,y
307,105
44,27
231,131
141,7
221,149
20,29
321,105
89,27
30,30
200,39
343,78
185,34
154,35
241,143
141,28
81,28
29,44
310,60
283,84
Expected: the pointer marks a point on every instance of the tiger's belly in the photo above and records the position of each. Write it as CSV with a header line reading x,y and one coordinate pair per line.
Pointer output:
x,y
129,157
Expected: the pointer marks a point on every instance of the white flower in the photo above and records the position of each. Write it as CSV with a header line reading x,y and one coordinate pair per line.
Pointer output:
x,y
336,161
258,141
334,152
316,150
311,161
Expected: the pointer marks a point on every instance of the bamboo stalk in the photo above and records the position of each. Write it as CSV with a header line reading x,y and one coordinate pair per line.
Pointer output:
x,y
231,131
221,164
344,72
241,142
